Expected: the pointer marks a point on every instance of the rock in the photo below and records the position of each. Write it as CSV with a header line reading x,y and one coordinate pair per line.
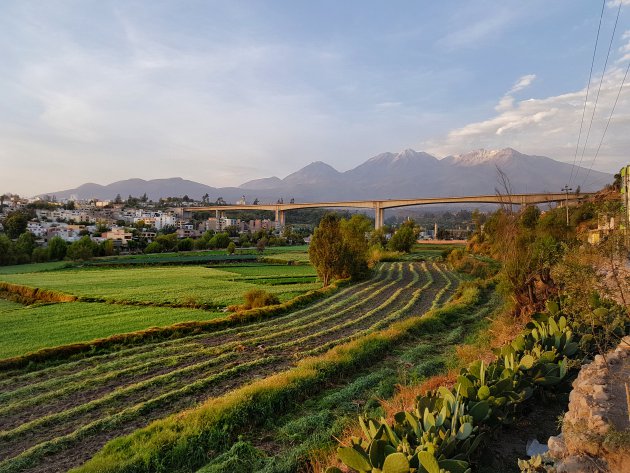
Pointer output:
x,y
576,465
557,447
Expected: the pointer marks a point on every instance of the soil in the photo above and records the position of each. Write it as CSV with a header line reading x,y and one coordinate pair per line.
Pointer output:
x,y
508,444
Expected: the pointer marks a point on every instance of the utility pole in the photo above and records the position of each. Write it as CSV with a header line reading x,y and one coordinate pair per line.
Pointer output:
x,y
566,190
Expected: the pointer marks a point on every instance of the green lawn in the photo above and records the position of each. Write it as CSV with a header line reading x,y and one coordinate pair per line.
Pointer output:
x,y
168,284
8,305
33,267
26,329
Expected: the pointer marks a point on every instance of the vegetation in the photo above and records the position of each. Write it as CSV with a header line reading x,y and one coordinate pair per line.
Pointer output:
x,y
23,330
339,248
255,298
404,238
153,379
189,286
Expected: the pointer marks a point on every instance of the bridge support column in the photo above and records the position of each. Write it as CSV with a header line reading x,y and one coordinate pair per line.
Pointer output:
x,y
378,215
280,219
216,214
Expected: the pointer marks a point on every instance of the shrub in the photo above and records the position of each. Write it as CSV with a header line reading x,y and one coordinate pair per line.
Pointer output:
x,y
57,248
83,249
153,247
259,298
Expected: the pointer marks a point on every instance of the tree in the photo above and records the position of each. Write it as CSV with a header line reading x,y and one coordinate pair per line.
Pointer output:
x,y
261,245
220,240
25,245
15,224
354,233
404,238
144,198
82,249
106,248
185,245
153,247
167,242
327,249
231,248
7,253
57,248
118,199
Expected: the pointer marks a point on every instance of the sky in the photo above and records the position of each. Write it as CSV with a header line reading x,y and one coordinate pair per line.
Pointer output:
x,y
222,92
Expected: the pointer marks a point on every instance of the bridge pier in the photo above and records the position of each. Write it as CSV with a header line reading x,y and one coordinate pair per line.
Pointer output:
x,y
378,215
280,218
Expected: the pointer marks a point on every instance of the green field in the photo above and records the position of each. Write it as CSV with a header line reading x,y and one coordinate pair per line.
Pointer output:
x,y
33,267
58,415
430,250
189,285
26,329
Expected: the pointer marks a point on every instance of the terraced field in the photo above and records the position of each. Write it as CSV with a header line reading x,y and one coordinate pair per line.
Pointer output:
x,y
216,286
56,417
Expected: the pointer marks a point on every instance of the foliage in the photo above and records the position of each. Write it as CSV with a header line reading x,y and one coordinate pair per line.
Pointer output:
x,y
82,249
7,254
185,245
15,224
339,248
153,247
447,426
255,298
404,238
57,249
25,244
220,240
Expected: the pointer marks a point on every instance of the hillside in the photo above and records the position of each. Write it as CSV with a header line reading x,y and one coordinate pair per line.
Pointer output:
x,y
406,174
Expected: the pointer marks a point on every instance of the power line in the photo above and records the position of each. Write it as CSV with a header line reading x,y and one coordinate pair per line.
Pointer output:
x,y
607,123
588,86
599,89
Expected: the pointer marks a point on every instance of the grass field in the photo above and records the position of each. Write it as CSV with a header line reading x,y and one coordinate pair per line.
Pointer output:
x,y
283,443
189,285
57,416
26,329
430,250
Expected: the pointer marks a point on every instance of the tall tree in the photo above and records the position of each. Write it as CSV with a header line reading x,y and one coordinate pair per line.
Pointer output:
x,y
15,224
404,238
57,248
327,249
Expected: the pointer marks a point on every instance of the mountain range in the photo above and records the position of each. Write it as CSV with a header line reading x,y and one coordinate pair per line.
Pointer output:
x,y
408,174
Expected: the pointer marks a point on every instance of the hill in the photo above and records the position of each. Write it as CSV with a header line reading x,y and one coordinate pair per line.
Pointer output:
x,y
407,174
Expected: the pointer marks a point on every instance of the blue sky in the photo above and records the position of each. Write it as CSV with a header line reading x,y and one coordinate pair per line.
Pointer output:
x,y
225,91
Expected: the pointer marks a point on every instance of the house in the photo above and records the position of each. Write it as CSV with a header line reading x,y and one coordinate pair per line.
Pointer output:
x,y
118,234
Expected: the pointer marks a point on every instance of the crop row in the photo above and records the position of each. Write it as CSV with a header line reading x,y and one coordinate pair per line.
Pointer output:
x,y
94,399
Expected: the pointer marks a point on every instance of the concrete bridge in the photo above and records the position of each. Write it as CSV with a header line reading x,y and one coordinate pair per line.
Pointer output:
x,y
379,206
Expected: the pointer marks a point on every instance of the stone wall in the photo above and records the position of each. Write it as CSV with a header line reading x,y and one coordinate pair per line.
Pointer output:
x,y
596,429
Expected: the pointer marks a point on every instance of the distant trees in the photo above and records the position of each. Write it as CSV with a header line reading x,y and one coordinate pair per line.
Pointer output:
x,y
339,249
82,249
15,224
153,247
57,248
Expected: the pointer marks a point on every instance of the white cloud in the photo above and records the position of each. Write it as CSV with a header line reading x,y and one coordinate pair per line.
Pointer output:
x,y
507,101
549,126
522,83
615,3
